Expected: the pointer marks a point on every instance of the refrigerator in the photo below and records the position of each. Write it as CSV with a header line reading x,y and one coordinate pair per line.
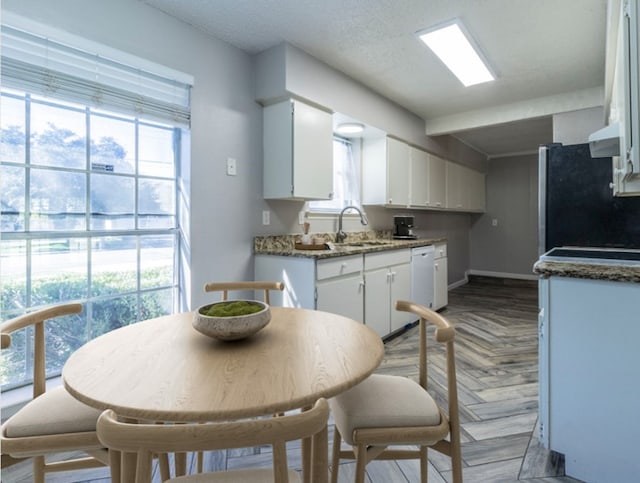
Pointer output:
x,y
576,202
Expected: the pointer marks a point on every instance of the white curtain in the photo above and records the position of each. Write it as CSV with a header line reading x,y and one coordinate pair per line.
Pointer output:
x,y
346,179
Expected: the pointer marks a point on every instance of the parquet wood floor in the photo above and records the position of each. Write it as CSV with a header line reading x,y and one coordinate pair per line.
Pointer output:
x,y
497,355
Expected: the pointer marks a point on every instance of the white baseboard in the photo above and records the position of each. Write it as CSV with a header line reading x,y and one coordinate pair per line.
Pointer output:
x,y
459,283
487,273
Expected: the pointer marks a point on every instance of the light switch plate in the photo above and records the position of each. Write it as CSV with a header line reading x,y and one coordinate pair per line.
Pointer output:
x,y
231,167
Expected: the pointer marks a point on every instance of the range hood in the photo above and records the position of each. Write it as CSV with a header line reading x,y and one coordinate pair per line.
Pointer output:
x,y
605,142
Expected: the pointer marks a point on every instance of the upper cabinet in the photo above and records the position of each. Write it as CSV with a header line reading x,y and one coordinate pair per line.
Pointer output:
x,y
298,152
465,188
385,165
398,175
427,180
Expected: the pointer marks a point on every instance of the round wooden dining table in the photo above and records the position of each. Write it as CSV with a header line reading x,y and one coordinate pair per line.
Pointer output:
x,y
164,370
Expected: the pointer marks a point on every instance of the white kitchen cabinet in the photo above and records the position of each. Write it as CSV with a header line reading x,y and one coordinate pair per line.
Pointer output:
x,y
589,373
477,190
298,151
437,179
387,279
465,188
440,278
340,287
428,180
331,285
457,196
386,165
419,178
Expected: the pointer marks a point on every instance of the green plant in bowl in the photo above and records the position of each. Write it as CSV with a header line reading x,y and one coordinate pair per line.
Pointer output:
x,y
232,319
234,308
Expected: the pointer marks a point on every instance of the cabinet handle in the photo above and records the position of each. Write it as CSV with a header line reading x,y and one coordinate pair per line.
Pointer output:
x,y
435,266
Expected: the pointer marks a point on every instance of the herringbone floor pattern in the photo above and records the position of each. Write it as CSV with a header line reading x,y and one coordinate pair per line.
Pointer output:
x,y
496,323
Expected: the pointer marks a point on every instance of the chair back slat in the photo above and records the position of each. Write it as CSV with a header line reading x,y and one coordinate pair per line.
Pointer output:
x,y
169,438
226,287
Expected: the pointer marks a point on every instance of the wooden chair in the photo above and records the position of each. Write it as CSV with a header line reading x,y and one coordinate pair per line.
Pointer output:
x,y
53,421
146,439
386,410
226,287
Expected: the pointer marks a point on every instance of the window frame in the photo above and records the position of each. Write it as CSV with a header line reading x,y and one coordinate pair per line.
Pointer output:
x,y
28,236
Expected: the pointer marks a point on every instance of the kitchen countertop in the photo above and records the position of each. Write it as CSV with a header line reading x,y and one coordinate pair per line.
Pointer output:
x,y
284,245
614,272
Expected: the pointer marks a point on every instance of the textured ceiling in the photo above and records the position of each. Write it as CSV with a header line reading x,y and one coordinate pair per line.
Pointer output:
x,y
540,49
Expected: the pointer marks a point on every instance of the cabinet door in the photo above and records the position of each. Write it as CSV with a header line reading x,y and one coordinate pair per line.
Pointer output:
x,y
437,182
400,290
419,178
453,181
476,190
312,152
342,296
440,283
397,172
376,300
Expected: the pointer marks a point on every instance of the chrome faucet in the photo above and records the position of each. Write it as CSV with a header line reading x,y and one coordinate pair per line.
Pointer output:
x,y
341,235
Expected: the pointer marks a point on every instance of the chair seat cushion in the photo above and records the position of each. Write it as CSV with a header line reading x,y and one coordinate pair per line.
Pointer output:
x,y
54,412
382,401
264,475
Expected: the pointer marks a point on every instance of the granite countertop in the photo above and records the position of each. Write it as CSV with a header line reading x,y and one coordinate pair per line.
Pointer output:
x,y
356,243
614,272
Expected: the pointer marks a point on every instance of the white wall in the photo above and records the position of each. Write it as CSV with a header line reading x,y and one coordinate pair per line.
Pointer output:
x,y
226,122
225,212
574,127
510,247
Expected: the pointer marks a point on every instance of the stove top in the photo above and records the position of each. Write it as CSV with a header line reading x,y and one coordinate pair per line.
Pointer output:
x,y
626,256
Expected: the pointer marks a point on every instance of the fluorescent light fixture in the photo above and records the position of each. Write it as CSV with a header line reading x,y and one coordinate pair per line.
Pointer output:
x,y
349,128
455,49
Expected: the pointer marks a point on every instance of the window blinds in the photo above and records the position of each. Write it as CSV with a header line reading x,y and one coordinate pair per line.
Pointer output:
x,y
41,66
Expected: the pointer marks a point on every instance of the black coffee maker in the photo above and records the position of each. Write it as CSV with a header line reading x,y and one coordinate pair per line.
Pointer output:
x,y
403,227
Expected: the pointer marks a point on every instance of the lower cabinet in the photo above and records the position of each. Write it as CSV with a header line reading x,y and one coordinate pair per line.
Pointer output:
x,y
589,371
387,278
440,278
339,286
361,287
331,285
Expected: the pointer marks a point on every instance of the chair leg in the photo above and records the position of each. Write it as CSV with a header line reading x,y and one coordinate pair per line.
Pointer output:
x,y
335,455
456,463
163,464
424,464
115,466
361,462
38,469
180,460
200,463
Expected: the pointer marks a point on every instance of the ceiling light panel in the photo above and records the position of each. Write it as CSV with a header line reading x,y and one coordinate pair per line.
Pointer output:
x,y
455,48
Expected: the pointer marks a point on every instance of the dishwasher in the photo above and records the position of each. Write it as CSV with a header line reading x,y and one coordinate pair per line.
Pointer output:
x,y
422,275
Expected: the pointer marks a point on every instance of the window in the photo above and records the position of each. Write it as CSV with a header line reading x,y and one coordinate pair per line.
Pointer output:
x,y
88,214
346,179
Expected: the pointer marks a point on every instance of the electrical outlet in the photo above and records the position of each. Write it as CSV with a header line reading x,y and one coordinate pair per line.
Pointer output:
x,y
494,222
301,218
266,217
231,167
